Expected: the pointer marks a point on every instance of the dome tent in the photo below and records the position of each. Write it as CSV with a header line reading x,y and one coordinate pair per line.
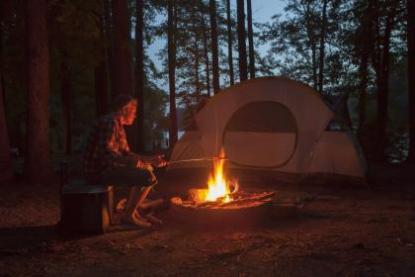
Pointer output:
x,y
271,126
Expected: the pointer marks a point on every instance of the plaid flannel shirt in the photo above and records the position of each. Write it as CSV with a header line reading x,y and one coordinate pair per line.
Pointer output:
x,y
107,148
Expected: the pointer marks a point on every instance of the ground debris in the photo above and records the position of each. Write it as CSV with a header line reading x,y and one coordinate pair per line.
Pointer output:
x,y
13,252
405,242
226,254
159,247
358,245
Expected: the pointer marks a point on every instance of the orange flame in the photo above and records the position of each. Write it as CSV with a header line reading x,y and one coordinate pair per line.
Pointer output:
x,y
218,186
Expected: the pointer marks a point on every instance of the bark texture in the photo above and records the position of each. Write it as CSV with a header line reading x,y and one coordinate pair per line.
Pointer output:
x,y
37,161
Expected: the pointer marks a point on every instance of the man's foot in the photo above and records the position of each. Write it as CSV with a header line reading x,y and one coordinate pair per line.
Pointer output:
x,y
153,220
137,220
120,207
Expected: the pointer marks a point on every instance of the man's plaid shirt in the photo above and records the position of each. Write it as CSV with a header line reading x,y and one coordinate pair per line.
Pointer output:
x,y
107,148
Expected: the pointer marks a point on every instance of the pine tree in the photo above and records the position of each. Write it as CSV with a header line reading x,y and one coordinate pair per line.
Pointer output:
x,y
230,42
122,76
251,41
214,37
5,161
381,56
37,162
243,72
411,79
171,37
139,72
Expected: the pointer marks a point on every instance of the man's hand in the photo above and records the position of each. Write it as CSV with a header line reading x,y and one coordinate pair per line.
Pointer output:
x,y
158,161
140,164
144,165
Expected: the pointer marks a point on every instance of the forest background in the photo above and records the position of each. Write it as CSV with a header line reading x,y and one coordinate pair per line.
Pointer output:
x,y
63,61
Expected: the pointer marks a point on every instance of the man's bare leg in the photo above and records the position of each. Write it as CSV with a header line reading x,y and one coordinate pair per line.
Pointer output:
x,y
135,198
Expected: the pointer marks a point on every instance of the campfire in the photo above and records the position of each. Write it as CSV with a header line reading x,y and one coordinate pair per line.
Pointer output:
x,y
222,193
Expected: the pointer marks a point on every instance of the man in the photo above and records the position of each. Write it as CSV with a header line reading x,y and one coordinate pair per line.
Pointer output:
x,y
108,159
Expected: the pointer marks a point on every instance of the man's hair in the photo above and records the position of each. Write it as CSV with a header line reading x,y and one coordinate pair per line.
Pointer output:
x,y
122,100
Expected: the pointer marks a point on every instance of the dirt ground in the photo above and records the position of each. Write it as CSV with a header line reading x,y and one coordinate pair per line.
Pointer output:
x,y
336,231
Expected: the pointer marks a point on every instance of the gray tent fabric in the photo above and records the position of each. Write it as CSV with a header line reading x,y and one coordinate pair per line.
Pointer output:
x,y
274,125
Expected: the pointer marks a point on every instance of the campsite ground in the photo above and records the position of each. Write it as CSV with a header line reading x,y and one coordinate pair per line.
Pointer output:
x,y
338,230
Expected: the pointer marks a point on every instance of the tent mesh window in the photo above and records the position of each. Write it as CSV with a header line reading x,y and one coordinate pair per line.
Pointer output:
x,y
261,134
264,116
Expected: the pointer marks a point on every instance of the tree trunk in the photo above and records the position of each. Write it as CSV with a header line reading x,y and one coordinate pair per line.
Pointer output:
x,y
139,42
313,45
230,43
122,78
206,53
101,91
196,58
411,79
37,161
250,40
214,37
171,41
101,74
243,74
383,85
314,64
365,46
5,161
363,80
322,47
108,47
66,88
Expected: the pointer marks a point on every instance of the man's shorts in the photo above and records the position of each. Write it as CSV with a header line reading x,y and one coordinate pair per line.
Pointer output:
x,y
127,177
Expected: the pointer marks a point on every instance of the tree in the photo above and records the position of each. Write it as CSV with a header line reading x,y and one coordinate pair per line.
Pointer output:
x,y
364,46
214,37
205,52
37,160
66,90
139,43
380,59
101,72
243,73
122,77
251,41
5,161
171,41
230,43
196,57
411,74
108,43
322,46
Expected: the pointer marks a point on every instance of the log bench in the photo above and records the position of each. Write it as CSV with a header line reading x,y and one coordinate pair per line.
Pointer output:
x,y
86,208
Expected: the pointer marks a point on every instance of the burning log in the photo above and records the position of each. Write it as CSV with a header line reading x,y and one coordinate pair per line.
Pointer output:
x,y
240,200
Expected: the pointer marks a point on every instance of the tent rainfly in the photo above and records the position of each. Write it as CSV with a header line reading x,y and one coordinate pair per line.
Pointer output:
x,y
273,127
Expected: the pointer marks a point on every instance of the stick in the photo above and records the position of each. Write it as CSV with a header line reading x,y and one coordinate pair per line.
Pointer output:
x,y
197,160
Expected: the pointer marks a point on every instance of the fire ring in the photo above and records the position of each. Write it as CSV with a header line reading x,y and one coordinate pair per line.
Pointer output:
x,y
222,201
244,208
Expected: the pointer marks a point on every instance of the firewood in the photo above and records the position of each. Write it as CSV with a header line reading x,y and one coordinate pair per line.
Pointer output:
x,y
252,198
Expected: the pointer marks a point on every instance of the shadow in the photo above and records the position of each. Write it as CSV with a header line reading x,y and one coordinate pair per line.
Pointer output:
x,y
212,222
19,240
